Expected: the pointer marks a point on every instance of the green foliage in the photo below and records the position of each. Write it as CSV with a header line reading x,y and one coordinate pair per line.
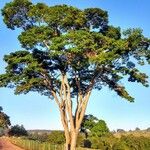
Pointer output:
x,y
129,142
56,137
4,119
17,130
120,146
93,126
108,142
41,33
80,140
88,122
97,18
113,32
80,43
99,144
136,143
100,129
15,14
38,137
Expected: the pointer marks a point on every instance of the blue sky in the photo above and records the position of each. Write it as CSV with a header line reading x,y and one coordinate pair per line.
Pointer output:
x,y
38,112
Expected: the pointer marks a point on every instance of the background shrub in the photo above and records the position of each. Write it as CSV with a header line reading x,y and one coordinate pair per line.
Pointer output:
x,y
17,131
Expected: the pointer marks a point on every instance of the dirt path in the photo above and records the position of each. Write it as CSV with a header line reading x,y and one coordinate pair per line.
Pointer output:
x,y
6,145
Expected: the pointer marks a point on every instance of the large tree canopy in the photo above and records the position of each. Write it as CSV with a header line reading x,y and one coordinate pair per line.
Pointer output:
x,y
67,52
63,39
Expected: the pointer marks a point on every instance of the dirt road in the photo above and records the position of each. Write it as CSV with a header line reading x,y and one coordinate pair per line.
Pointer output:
x,y
6,145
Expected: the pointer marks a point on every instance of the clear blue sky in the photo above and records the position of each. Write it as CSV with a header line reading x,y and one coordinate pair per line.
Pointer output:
x,y
38,112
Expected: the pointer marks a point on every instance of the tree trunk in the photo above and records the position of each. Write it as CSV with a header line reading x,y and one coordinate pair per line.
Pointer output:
x,y
73,141
68,146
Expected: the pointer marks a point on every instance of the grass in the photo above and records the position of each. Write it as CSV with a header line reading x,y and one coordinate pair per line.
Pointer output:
x,y
35,145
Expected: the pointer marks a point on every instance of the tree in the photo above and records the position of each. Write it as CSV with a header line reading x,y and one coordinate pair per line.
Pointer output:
x,y
88,123
120,131
137,129
100,129
68,52
4,119
93,126
17,130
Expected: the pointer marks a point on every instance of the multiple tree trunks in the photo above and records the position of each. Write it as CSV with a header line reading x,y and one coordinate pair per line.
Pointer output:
x,y
71,123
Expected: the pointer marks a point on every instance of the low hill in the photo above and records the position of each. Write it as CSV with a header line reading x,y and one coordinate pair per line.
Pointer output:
x,y
144,133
